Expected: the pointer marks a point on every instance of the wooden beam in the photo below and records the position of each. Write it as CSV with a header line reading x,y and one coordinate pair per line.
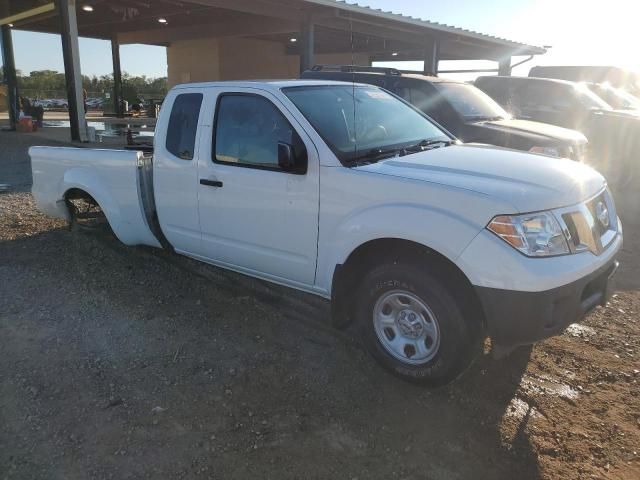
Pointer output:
x,y
49,7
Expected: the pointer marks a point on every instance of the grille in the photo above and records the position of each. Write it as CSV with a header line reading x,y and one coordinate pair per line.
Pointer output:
x,y
592,225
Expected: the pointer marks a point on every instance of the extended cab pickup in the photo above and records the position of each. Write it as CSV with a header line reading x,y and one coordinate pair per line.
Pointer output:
x,y
344,191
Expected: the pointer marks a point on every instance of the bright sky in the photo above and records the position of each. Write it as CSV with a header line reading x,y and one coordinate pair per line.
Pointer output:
x,y
593,32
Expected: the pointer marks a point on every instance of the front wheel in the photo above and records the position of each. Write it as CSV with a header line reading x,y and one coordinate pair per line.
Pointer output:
x,y
412,324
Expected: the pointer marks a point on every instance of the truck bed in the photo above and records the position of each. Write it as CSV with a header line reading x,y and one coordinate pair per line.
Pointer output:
x,y
118,180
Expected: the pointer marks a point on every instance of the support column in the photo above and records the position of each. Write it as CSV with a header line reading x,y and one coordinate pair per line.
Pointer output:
x,y
117,77
307,45
431,57
71,56
504,67
10,77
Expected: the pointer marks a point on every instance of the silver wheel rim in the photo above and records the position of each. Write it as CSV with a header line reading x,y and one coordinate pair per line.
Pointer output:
x,y
406,327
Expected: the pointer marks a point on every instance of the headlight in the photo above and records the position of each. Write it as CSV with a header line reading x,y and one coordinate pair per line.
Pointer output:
x,y
534,234
549,151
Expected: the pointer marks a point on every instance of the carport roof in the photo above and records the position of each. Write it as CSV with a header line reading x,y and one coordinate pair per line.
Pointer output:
x,y
377,31
428,24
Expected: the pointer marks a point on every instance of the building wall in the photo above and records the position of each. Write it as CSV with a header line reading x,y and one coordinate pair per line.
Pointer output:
x,y
240,59
193,61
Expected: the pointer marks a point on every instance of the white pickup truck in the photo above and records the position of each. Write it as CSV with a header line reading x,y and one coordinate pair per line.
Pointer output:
x,y
347,192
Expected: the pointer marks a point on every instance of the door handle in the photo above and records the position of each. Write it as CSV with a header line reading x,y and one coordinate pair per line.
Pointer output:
x,y
211,183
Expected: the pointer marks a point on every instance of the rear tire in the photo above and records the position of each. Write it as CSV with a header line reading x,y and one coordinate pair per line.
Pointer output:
x,y
412,325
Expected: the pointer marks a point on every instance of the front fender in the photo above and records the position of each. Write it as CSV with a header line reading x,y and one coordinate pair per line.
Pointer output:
x,y
441,230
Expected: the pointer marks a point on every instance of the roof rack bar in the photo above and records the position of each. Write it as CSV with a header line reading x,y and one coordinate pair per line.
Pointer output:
x,y
357,68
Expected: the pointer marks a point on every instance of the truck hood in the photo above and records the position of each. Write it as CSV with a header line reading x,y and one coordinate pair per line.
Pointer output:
x,y
534,130
528,182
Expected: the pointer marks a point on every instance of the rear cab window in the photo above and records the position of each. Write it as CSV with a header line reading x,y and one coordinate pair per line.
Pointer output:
x,y
183,125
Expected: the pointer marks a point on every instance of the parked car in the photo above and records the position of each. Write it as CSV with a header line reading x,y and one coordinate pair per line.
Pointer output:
x,y
614,135
616,97
347,192
465,111
95,103
615,76
58,103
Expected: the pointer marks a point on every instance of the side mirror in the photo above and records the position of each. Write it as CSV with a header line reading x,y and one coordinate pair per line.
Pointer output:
x,y
286,157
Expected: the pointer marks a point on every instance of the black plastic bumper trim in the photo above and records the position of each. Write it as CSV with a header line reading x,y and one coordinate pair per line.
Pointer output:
x,y
521,318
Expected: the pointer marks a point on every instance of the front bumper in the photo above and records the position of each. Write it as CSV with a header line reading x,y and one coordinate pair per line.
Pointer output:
x,y
521,318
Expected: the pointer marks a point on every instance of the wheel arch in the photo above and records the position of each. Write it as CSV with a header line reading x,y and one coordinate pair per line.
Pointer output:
x,y
77,190
125,218
384,250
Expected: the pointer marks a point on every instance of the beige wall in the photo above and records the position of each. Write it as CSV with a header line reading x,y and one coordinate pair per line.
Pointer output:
x,y
239,59
193,61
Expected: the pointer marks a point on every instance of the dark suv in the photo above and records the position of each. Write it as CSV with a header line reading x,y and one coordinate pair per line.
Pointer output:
x,y
463,110
618,98
614,135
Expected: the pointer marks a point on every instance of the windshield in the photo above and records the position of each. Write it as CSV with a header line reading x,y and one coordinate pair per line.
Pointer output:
x,y
471,102
354,120
590,99
616,97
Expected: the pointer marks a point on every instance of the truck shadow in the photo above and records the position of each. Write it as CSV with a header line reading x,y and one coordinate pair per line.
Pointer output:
x,y
327,406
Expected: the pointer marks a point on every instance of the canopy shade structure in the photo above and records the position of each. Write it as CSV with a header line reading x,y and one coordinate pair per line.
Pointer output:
x,y
236,39
378,32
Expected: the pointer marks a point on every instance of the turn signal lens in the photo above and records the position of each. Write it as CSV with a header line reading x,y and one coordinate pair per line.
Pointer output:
x,y
534,234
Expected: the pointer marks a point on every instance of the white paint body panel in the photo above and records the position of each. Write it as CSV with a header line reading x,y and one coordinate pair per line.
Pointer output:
x,y
487,264
295,230
175,187
264,222
109,176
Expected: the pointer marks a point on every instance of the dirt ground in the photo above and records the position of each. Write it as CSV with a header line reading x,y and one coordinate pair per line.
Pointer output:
x,y
120,363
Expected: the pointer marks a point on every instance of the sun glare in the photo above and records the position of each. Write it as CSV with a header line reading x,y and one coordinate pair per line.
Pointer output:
x,y
581,32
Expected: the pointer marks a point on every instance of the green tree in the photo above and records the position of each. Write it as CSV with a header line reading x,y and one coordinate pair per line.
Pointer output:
x,y
52,84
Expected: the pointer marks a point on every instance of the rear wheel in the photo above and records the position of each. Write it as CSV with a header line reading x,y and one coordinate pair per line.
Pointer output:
x,y
412,324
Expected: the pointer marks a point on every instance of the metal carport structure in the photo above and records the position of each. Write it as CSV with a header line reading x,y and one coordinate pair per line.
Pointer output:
x,y
297,33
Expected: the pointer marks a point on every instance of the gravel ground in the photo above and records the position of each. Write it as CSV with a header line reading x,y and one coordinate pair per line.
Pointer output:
x,y
121,362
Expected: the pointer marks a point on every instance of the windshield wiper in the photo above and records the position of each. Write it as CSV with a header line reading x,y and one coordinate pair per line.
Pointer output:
x,y
376,154
426,145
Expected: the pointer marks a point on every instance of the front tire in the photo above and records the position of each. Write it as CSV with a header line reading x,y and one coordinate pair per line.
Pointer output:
x,y
413,326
